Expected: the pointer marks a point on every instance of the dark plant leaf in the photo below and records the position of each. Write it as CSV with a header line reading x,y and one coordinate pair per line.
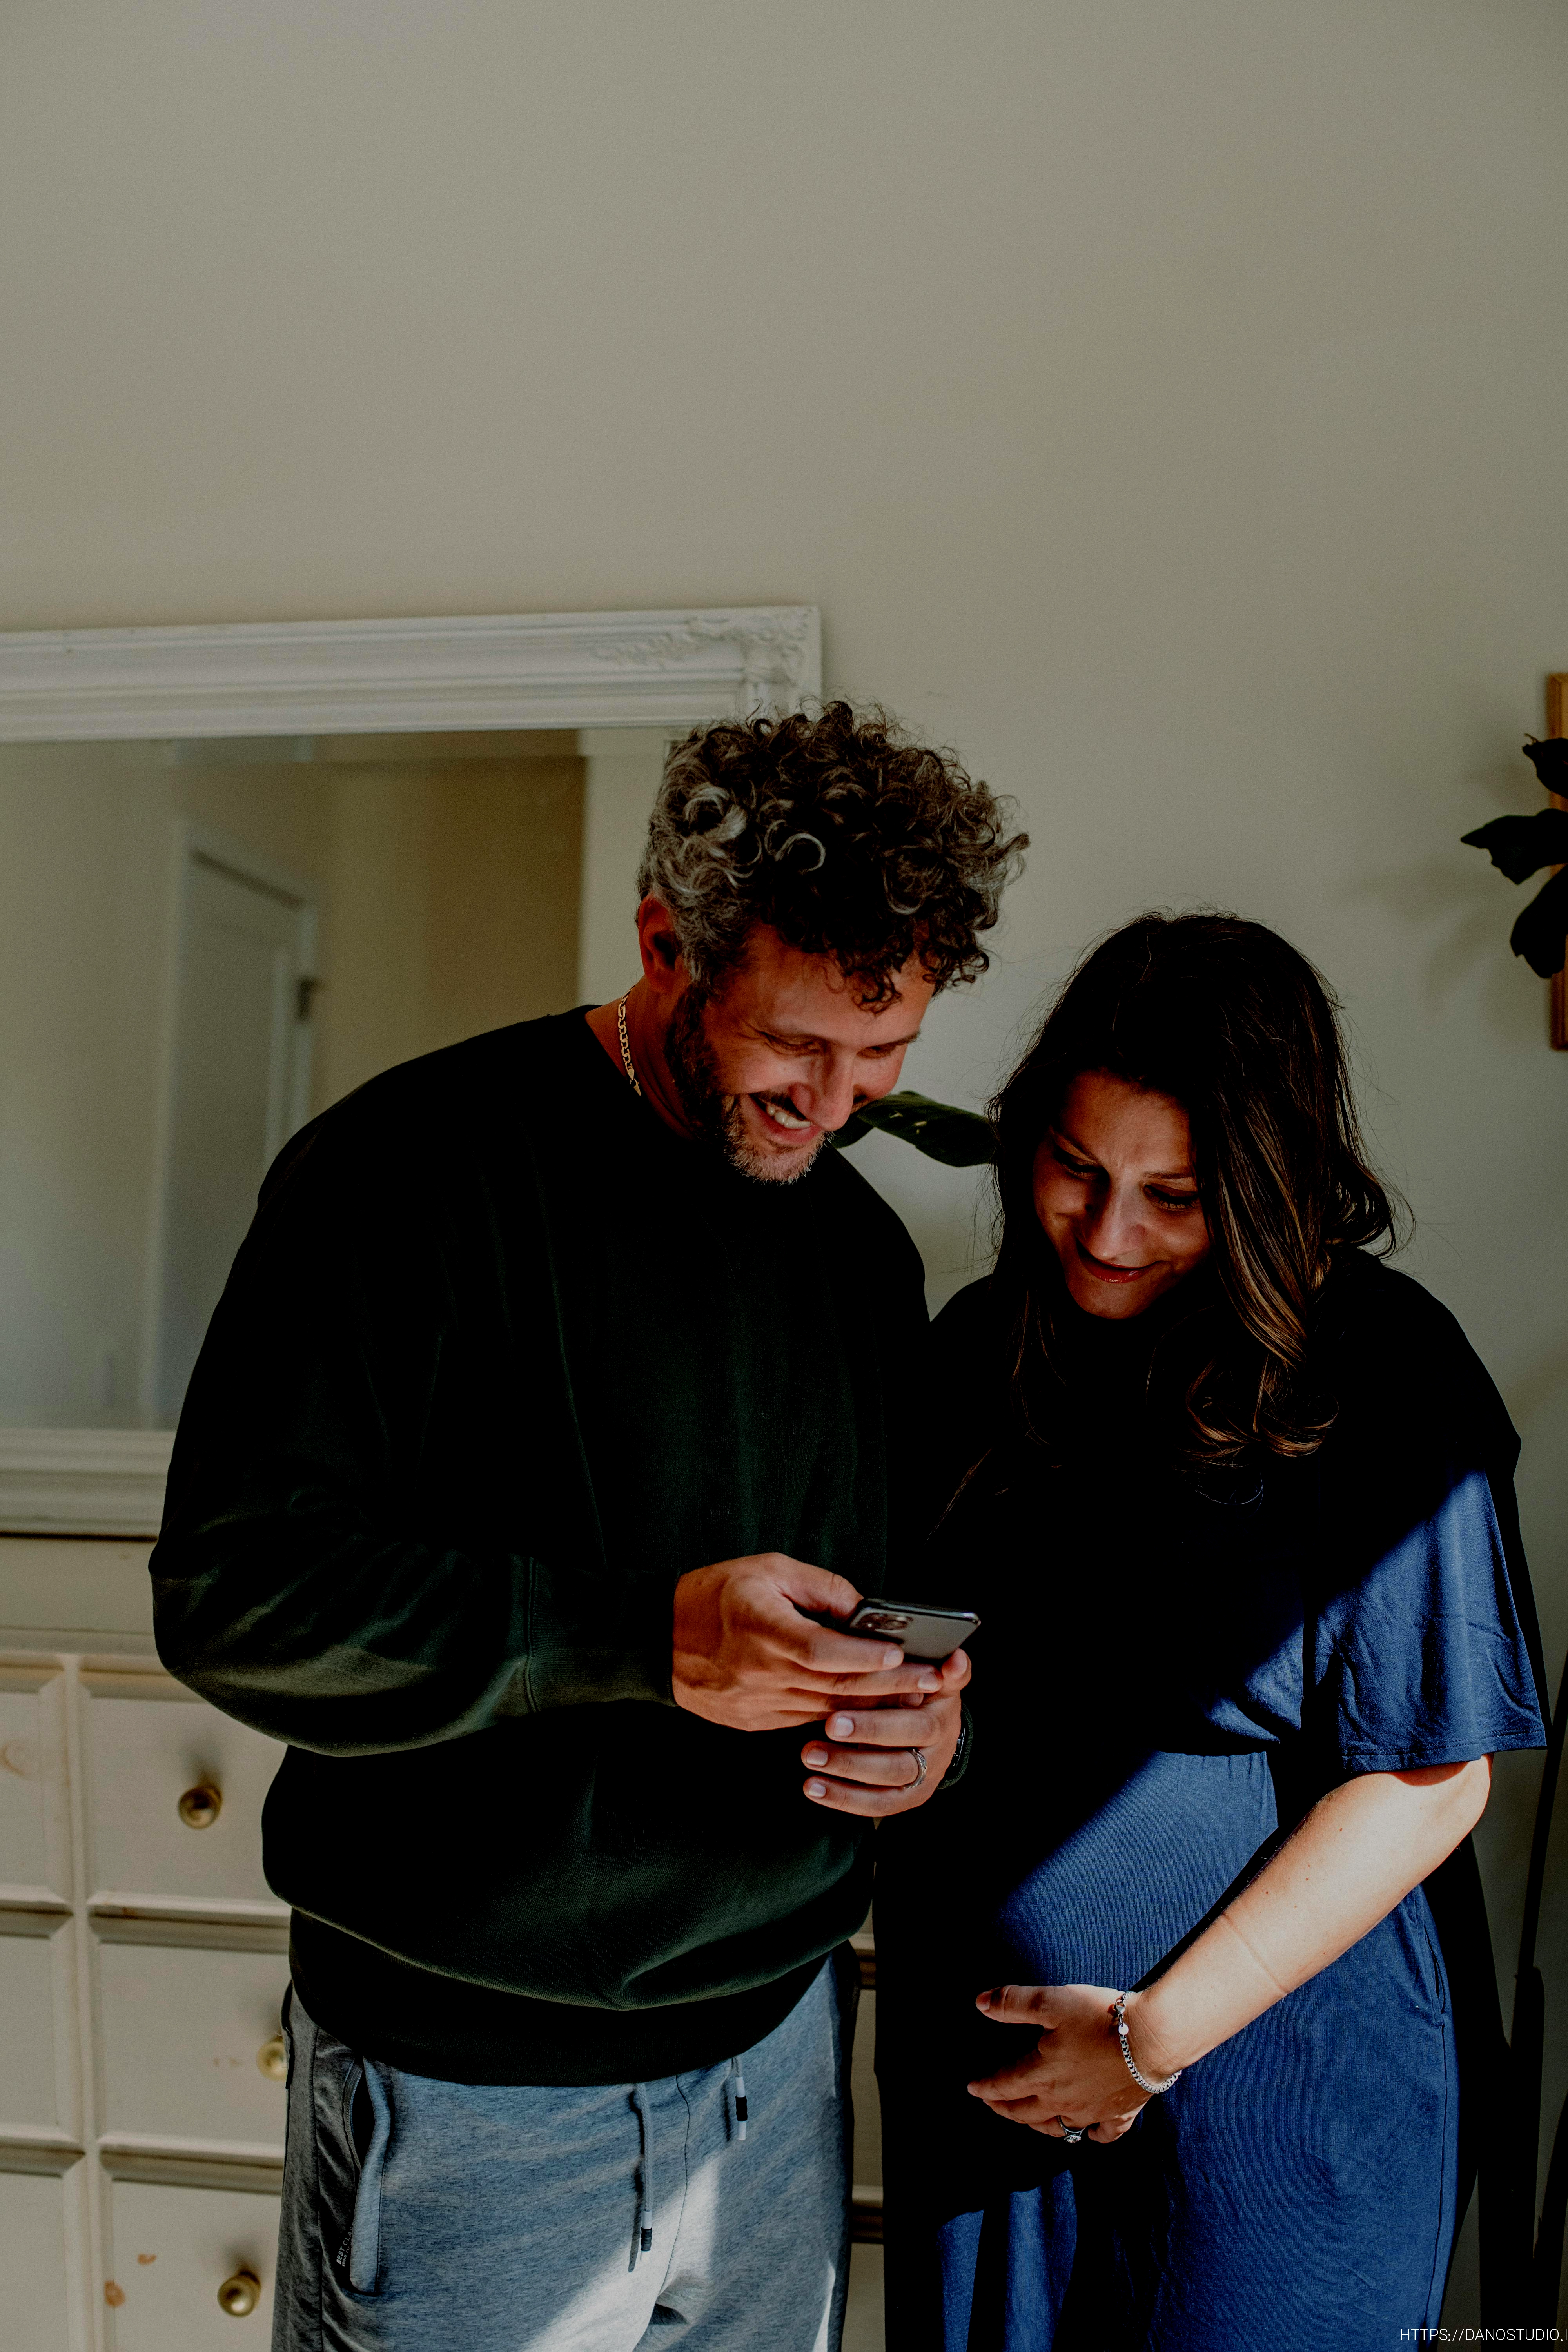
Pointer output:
x,y
1522,845
1550,761
959,1139
1541,932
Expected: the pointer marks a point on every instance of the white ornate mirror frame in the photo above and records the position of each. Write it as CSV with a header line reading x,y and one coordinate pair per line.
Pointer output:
x,y
325,677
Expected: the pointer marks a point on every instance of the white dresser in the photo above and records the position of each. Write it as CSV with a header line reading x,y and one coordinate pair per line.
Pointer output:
x,y
142,1962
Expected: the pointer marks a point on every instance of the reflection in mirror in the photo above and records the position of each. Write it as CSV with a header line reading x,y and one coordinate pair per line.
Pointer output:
x,y
202,945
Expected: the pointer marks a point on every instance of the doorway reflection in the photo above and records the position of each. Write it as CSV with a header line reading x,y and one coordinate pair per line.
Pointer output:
x,y
202,945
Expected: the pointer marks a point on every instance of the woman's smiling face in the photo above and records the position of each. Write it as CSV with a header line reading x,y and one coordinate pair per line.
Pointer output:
x,y
1115,1192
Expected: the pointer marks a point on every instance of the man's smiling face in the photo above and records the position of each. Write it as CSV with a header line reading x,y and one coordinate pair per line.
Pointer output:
x,y
783,1052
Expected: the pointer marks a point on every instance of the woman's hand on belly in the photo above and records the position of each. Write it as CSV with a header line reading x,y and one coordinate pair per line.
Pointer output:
x,y
1076,2075
1357,1852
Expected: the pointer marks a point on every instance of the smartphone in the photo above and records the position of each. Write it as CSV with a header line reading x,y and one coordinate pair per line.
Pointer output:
x,y
922,1633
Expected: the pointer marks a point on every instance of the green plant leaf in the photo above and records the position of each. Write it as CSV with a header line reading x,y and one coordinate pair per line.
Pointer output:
x,y
1550,761
959,1139
1522,845
1540,934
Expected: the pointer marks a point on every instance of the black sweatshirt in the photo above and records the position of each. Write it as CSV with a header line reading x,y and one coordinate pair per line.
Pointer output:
x,y
500,1359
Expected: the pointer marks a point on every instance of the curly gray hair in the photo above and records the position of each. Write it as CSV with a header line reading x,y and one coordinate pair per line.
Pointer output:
x,y
841,833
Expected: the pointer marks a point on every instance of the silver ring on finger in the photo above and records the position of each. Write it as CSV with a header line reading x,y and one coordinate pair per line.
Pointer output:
x,y
920,1756
1071,2133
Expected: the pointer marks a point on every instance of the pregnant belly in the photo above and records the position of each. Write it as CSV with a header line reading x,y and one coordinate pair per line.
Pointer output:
x,y
1102,1897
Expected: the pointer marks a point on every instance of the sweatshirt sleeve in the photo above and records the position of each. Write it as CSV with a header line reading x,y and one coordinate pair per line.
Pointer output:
x,y
379,1530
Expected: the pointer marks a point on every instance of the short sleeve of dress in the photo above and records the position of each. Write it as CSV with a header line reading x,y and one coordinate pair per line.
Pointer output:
x,y
1421,1642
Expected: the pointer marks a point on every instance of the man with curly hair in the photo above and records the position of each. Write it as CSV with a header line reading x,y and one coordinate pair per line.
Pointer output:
x,y
559,1394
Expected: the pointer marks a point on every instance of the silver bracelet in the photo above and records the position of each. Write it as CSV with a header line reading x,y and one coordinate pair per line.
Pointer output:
x,y
1119,2011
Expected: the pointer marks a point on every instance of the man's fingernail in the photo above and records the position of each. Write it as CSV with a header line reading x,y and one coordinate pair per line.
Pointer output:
x,y
814,1756
839,1727
982,2001
816,1788
891,1658
929,1683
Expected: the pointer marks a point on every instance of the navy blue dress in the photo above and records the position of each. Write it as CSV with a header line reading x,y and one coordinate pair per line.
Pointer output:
x,y
1170,1670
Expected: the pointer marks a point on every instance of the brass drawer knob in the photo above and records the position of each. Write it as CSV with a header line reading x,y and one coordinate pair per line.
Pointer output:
x,y
200,1806
240,2295
273,2059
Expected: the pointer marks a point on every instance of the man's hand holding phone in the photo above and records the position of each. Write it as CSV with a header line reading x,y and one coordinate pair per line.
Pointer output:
x,y
891,1758
749,1655
869,1761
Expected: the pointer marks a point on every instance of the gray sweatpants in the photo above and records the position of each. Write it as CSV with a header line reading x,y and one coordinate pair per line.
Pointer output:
x,y
421,2216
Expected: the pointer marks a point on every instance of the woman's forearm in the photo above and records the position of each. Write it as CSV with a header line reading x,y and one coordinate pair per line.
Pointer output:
x,y
1357,1853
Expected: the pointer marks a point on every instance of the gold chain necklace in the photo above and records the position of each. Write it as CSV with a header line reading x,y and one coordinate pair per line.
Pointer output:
x,y
626,1048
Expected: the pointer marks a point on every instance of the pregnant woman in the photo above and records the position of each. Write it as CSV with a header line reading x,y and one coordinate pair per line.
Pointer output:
x,y
1166,2045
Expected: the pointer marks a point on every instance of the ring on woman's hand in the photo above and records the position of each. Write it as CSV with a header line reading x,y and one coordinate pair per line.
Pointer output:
x,y
1071,2133
920,1756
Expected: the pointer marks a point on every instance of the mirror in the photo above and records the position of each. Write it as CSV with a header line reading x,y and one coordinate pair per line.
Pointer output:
x,y
204,943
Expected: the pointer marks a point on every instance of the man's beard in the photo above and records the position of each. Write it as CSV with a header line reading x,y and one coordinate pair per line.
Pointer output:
x,y
717,1117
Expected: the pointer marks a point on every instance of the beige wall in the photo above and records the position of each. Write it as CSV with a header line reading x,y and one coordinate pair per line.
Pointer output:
x,y
1163,399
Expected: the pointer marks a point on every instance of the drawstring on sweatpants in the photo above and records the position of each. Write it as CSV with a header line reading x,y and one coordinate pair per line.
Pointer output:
x,y
735,2103
642,2238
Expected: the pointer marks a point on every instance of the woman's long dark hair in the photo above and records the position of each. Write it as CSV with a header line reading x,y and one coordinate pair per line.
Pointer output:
x,y
1231,1021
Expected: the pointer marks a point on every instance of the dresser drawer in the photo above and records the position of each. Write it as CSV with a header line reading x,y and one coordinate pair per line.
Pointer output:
x,y
183,2029
37,2036
149,1745
170,2251
35,1844
34,2268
